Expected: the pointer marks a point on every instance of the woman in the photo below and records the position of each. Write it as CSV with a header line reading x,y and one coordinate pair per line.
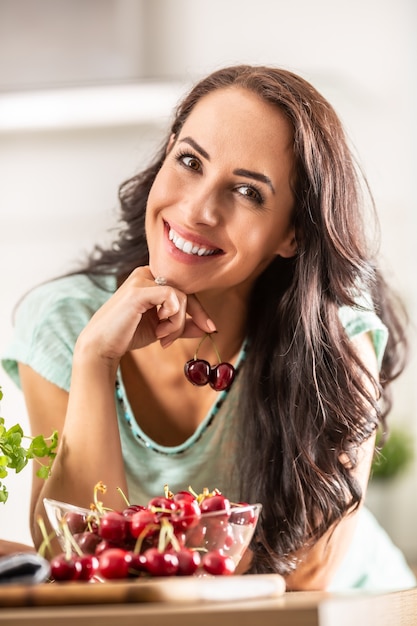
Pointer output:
x,y
249,223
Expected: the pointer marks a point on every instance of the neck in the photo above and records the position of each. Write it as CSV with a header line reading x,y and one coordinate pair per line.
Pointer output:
x,y
229,313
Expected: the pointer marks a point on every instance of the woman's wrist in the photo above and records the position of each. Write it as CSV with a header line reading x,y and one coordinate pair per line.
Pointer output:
x,y
87,357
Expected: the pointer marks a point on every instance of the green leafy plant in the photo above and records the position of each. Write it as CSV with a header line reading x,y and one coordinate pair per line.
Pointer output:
x,y
15,454
395,456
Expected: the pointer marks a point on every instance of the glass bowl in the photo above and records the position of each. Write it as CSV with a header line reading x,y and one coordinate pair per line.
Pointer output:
x,y
219,537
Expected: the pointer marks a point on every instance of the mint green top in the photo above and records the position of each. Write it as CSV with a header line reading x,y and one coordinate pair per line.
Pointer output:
x,y
48,322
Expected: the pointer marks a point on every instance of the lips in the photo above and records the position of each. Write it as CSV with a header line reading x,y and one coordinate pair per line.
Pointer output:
x,y
190,247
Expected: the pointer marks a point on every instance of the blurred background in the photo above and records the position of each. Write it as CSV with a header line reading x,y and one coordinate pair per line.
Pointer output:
x,y
87,89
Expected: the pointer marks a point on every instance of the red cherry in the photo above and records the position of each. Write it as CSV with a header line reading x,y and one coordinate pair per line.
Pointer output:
x,y
137,564
217,534
244,517
187,515
113,526
188,562
161,563
166,506
197,371
218,502
216,525
195,536
87,541
132,508
87,566
143,523
221,376
63,568
76,522
183,495
104,545
218,564
114,563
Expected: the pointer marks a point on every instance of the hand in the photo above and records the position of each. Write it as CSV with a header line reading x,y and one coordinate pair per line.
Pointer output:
x,y
141,312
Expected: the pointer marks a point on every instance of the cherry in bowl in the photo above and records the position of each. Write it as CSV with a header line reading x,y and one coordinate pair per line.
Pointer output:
x,y
198,537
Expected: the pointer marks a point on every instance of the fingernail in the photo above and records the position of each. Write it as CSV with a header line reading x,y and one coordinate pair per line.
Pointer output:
x,y
211,326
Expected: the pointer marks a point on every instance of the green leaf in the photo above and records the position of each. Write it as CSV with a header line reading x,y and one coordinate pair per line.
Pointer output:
x,y
396,455
15,431
3,494
39,447
15,455
43,471
21,462
4,460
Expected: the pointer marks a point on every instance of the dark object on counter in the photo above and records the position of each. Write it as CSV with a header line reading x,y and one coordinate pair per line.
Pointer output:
x,y
24,568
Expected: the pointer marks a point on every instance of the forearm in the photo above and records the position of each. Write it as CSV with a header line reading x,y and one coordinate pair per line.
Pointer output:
x,y
89,450
319,563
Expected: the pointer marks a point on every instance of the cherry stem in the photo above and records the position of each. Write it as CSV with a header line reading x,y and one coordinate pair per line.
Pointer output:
x,y
215,348
123,496
70,543
168,494
206,493
204,337
99,487
138,545
167,536
193,493
46,543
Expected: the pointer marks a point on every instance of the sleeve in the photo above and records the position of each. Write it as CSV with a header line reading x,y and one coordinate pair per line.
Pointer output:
x,y
363,319
48,322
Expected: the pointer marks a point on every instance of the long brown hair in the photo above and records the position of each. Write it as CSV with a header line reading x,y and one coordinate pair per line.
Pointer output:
x,y
305,400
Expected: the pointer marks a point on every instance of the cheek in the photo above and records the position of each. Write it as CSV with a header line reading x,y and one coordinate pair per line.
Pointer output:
x,y
154,194
260,239
158,197
165,191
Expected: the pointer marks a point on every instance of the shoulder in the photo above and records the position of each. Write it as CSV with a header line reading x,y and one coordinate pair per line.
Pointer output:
x,y
78,293
362,319
48,321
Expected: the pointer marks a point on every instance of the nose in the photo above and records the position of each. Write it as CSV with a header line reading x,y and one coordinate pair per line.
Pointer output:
x,y
203,205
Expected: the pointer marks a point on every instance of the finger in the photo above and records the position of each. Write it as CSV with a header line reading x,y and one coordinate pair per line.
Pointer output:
x,y
199,316
170,306
167,335
178,325
172,316
191,330
172,327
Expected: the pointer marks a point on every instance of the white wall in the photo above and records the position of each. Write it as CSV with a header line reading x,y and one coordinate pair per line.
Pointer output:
x,y
58,186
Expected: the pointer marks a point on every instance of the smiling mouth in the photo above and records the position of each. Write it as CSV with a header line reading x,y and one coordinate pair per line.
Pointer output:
x,y
189,247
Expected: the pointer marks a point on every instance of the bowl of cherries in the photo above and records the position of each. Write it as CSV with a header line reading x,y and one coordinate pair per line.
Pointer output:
x,y
175,534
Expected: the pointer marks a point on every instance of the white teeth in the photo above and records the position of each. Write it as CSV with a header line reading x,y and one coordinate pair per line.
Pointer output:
x,y
187,246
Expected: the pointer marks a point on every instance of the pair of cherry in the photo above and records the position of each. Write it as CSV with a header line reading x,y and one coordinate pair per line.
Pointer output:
x,y
199,371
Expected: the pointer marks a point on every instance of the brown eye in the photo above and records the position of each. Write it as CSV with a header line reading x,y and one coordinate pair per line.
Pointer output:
x,y
251,193
191,162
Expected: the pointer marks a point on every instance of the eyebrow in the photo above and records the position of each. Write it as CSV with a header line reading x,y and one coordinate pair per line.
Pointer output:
x,y
196,147
256,176
262,178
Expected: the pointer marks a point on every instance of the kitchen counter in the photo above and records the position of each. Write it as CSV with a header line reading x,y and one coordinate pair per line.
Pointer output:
x,y
189,602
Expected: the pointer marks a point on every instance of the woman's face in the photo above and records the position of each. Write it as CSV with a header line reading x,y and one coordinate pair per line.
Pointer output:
x,y
220,208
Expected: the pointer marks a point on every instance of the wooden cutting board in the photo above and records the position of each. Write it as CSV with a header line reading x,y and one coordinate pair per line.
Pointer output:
x,y
187,589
